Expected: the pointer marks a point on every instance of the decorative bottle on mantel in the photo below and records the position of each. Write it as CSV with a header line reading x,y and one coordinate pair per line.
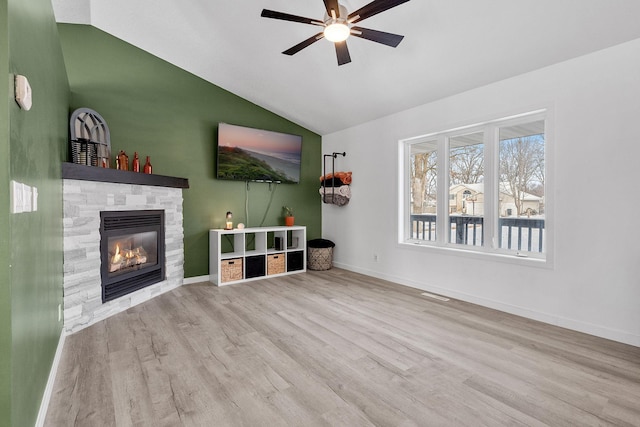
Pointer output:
x,y
147,166
123,161
136,162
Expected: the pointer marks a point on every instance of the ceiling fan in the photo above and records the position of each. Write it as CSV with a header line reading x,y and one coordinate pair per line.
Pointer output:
x,y
338,26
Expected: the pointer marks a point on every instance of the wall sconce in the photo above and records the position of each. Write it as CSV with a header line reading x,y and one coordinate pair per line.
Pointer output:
x,y
229,221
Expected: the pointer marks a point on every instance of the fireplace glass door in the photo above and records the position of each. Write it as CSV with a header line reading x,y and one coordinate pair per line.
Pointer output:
x,y
132,251
129,252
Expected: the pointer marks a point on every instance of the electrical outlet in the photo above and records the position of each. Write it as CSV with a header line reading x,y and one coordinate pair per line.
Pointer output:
x,y
376,257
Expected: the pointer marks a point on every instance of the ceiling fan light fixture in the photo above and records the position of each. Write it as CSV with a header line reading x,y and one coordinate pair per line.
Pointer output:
x,y
337,32
339,25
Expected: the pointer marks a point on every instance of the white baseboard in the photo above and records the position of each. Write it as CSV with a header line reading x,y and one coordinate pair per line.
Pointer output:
x,y
575,325
197,279
48,390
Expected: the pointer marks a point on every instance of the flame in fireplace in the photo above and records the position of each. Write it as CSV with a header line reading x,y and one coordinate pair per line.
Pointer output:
x,y
116,257
124,258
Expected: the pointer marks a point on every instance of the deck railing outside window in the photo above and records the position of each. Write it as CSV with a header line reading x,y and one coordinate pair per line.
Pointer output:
x,y
520,234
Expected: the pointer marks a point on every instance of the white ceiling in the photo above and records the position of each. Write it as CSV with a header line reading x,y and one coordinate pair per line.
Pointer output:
x,y
450,46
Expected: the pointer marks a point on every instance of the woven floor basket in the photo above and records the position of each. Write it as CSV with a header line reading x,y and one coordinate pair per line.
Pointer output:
x,y
319,258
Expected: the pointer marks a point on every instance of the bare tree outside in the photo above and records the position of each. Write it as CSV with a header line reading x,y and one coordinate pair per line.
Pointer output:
x,y
522,168
423,179
466,164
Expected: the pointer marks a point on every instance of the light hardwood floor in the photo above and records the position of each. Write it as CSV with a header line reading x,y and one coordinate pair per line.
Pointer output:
x,y
337,348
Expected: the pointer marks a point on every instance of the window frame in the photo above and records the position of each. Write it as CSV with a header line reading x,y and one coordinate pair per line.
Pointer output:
x,y
491,212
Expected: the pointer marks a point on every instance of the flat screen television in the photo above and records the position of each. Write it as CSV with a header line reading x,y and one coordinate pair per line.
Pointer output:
x,y
248,154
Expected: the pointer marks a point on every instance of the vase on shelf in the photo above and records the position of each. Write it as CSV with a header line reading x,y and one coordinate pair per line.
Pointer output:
x,y
147,166
123,161
135,166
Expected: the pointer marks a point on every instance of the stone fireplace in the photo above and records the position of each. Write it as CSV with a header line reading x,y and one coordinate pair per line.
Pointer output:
x,y
86,202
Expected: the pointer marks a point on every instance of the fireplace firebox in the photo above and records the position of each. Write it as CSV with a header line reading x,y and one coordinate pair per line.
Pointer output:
x,y
132,251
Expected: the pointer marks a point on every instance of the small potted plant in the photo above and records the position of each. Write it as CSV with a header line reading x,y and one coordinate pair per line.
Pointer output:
x,y
288,216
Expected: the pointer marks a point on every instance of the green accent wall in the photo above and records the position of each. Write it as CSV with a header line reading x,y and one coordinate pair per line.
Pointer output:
x,y
5,241
164,112
33,144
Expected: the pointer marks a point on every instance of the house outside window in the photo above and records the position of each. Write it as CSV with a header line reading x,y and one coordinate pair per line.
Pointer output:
x,y
478,188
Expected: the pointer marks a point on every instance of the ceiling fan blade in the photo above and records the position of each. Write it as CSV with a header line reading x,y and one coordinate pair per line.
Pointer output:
x,y
373,8
331,4
308,42
266,13
342,52
388,39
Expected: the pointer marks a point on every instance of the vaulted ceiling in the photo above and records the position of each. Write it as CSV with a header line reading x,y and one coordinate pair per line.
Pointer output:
x,y
450,46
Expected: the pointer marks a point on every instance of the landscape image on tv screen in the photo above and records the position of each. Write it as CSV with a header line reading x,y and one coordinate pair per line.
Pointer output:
x,y
247,154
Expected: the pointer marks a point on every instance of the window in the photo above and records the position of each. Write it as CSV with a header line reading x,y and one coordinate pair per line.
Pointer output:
x,y
479,188
521,188
466,183
423,181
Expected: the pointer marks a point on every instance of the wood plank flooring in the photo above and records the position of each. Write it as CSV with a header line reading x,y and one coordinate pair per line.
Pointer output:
x,y
336,348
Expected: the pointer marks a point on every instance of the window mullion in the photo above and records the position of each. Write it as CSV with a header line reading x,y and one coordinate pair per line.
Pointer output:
x,y
442,224
491,185
404,208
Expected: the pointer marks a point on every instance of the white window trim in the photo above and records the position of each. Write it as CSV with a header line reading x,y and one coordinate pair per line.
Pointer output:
x,y
490,250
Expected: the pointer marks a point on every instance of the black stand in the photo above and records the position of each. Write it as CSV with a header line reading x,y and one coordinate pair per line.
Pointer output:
x,y
333,173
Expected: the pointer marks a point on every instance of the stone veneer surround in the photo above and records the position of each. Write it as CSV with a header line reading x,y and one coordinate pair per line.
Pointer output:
x,y
82,203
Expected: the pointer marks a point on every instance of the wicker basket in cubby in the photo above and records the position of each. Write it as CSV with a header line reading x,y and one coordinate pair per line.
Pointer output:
x,y
275,264
231,269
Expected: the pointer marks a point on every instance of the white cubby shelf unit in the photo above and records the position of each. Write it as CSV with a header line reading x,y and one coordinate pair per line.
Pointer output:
x,y
240,255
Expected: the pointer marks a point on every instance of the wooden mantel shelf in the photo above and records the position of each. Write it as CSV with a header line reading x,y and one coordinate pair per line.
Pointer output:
x,y
92,173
